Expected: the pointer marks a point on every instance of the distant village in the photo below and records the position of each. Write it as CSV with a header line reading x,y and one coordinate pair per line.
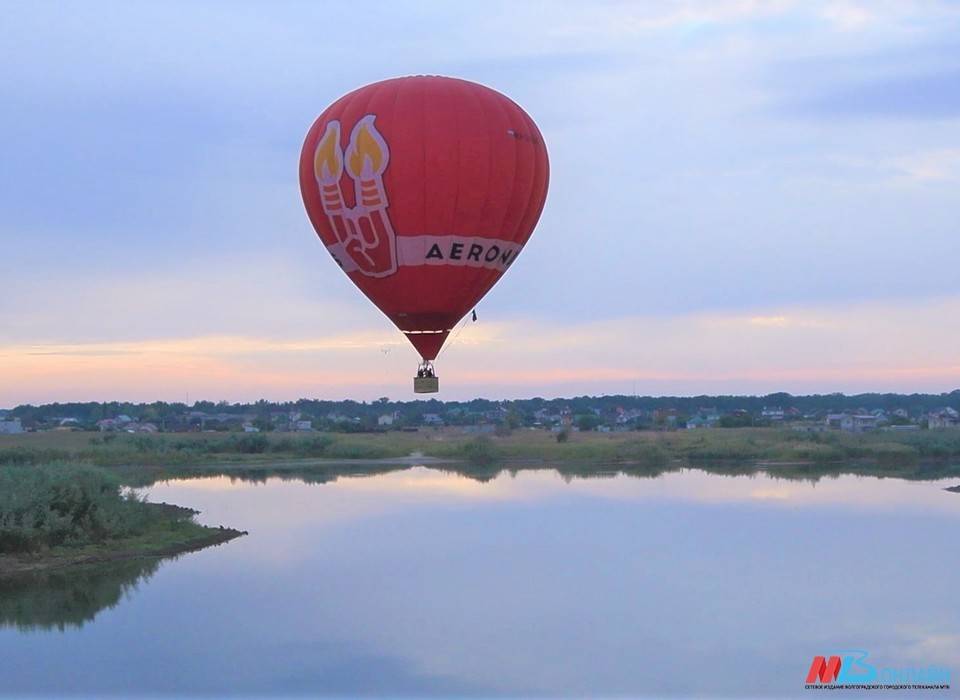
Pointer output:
x,y
835,412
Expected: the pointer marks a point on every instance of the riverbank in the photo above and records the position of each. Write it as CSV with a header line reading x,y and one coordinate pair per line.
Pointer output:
x,y
56,516
128,528
123,550
444,445
174,534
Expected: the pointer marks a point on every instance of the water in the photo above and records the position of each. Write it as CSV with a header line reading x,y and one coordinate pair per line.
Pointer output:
x,y
421,582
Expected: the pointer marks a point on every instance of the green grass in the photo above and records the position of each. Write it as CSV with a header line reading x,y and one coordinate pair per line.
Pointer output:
x,y
81,511
218,450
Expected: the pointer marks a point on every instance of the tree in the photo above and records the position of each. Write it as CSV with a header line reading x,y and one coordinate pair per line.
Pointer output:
x,y
588,421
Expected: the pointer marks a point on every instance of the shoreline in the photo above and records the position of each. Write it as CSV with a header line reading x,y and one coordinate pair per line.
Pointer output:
x,y
177,535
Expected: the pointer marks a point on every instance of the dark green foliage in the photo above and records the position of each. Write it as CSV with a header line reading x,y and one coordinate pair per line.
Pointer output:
x,y
13,456
48,506
588,421
643,452
250,443
739,420
313,446
480,450
563,436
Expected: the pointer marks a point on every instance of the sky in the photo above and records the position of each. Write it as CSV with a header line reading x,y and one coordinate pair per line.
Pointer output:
x,y
789,224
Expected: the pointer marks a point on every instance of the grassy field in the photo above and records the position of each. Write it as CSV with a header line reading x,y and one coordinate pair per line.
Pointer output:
x,y
652,448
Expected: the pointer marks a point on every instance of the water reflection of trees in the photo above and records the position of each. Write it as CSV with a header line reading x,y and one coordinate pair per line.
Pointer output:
x,y
324,472
70,597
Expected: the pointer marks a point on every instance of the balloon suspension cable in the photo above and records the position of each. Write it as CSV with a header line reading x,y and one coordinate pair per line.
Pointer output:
x,y
472,316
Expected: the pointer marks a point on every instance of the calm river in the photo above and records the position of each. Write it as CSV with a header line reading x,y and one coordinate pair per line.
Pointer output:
x,y
422,582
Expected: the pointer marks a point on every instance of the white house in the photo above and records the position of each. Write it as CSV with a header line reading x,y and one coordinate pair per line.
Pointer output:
x,y
835,420
859,423
386,419
944,418
432,419
10,427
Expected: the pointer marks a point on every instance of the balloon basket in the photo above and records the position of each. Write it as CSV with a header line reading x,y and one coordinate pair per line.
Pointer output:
x,y
426,385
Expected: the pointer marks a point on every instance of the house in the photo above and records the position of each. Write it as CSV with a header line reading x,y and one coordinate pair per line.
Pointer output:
x,y
496,414
10,427
304,426
704,418
432,419
698,422
834,420
544,416
248,428
859,422
943,418
772,413
629,415
666,416
388,419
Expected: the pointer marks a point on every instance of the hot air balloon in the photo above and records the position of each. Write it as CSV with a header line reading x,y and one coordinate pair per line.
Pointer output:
x,y
424,190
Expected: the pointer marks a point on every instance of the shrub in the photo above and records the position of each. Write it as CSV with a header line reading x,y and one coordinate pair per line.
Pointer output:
x,y
250,443
54,505
642,452
480,450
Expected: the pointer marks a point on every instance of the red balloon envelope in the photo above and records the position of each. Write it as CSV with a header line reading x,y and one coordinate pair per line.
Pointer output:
x,y
424,190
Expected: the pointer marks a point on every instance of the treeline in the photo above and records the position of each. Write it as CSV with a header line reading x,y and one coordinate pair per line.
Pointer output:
x,y
478,410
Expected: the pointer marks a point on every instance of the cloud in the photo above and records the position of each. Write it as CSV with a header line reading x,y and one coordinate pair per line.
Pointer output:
x,y
930,166
860,347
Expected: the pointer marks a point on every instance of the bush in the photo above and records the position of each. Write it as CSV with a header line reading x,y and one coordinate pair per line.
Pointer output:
x,y
480,450
588,422
642,452
313,446
563,436
24,456
250,443
55,505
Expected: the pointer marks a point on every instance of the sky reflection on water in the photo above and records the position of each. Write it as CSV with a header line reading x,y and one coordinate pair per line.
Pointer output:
x,y
420,582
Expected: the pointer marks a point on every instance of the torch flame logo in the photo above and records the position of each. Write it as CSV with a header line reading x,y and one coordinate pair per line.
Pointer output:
x,y
328,158
366,241
367,154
